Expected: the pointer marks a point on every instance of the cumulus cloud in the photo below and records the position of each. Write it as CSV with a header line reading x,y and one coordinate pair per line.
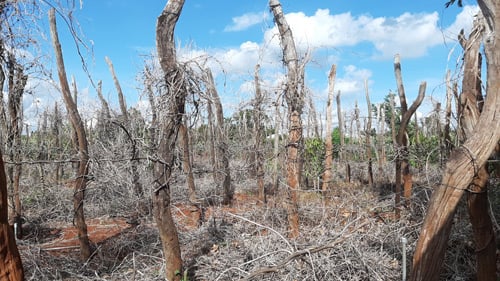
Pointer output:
x,y
246,21
410,34
353,80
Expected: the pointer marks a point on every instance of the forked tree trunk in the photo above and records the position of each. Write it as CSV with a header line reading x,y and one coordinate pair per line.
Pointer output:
x,y
403,175
171,113
121,98
295,101
222,172
80,183
327,174
462,166
11,267
471,101
259,157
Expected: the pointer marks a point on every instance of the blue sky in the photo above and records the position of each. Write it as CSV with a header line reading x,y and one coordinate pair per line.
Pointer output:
x,y
361,37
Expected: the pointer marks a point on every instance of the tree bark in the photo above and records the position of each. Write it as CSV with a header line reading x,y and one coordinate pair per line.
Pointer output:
x,y
477,198
403,175
11,267
295,101
327,174
464,162
172,111
80,183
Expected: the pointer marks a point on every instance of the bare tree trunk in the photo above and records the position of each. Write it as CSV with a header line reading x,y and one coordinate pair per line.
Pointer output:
x,y
121,98
368,132
78,126
222,171
462,166
381,140
276,142
471,101
327,174
186,162
16,82
446,132
259,157
172,111
342,156
11,267
295,102
402,163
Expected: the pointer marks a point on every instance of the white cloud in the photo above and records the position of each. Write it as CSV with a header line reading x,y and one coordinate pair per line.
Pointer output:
x,y
245,21
353,80
410,34
462,21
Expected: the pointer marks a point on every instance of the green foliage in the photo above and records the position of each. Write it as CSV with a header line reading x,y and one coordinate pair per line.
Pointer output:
x,y
314,156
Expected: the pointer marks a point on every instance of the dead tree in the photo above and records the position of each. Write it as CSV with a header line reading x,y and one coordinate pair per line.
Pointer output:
x,y
16,82
368,133
464,162
327,174
121,98
403,175
80,183
11,267
259,156
471,101
172,109
295,102
222,173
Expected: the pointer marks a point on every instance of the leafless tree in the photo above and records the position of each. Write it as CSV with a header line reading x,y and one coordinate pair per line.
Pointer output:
x,y
80,183
172,109
327,174
295,102
465,160
403,175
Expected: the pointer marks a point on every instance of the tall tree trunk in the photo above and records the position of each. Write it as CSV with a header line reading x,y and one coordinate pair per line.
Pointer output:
x,y
462,166
16,82
327,174
80,183
172,111
121,98
368,133
222,171
259,157
11,267
471,100
295,102
403,175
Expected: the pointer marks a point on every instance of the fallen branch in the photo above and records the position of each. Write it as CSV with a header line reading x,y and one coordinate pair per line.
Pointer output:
x,y
300,253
